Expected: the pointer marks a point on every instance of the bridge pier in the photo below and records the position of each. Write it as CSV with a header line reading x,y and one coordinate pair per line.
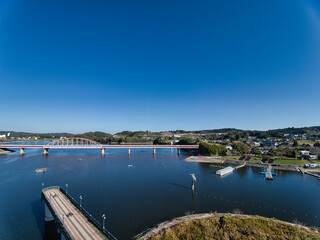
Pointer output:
x,y
45,151
62,236
102,151
154,151
47,214
21,151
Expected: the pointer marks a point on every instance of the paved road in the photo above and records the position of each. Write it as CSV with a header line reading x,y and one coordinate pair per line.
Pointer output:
x,y
74,221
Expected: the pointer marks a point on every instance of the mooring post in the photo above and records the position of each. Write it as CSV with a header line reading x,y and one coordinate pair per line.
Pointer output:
x,y
21,151
178,151
102,151
45,151
129,151
154,151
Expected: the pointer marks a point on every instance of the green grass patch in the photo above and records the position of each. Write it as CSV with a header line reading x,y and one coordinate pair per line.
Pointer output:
x,y
315,161
289,161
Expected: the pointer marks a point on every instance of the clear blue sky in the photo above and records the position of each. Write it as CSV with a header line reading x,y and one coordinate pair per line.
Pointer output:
x,y
77,66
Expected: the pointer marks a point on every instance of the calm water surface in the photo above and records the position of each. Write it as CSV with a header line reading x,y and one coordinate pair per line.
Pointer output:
x,y
154,189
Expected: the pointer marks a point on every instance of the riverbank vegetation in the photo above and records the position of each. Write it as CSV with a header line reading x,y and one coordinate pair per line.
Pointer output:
x,y
276,160
211,149
236,227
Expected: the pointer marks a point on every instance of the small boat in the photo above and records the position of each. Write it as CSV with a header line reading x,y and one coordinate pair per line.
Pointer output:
x,y
268,175
41,169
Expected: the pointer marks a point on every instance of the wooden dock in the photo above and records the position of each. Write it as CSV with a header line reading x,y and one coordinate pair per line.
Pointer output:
x,y
74,223
240,166
268,174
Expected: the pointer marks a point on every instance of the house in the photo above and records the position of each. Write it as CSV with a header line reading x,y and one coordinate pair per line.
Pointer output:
x,y
268,143
229,147
256,144
3,136
304,152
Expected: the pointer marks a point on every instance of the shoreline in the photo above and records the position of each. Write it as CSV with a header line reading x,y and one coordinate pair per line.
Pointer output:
x,y
161,227
218,160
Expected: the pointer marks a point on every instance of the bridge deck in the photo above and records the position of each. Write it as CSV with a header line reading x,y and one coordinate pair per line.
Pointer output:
x,y
98,146
75,223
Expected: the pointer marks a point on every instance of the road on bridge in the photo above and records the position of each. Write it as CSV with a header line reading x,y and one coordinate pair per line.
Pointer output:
x,y
75,223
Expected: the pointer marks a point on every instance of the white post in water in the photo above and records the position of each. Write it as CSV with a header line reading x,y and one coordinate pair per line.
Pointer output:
x,y
129,151
178,151
47,214
154,151
102,151
45,151
194,179
21,151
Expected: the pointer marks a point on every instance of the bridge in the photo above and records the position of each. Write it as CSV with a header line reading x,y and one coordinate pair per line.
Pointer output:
x,y
73,221
83,143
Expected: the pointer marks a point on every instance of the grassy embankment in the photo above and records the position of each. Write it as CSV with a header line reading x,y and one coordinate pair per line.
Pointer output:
x,y
236,227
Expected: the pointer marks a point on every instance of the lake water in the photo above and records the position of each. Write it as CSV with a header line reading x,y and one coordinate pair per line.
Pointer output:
x,y
155,189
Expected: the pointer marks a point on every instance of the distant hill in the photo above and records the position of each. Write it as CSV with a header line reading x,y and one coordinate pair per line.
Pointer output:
x,y
314,130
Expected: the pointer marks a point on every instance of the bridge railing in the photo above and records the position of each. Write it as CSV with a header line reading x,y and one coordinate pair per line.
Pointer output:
x,y
88,216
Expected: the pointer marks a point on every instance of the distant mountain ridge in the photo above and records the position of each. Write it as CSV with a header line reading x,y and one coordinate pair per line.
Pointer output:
x,y
313,130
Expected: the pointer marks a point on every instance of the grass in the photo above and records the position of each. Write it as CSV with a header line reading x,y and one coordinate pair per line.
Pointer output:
x,y
235,227
277,160
290,161
300,142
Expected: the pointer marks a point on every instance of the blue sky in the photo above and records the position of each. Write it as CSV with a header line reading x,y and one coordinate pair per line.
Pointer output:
x,y
77,66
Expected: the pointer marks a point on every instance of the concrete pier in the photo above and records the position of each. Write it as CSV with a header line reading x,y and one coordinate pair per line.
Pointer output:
x,y
47,214
73,221
21,151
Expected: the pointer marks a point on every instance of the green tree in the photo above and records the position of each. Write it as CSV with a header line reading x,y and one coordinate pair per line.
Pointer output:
x,y
316,144
273,152
187,141
212,149
241,148
295,143
256,151
289,152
